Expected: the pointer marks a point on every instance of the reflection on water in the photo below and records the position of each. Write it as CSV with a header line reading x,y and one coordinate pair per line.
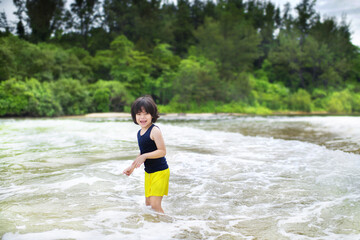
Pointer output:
x,y
231,178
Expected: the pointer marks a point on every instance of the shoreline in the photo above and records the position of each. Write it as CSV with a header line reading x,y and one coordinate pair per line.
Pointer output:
x,y
291,113
125,115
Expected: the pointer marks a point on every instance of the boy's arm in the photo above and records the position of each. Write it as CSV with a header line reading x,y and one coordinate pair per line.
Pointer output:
x,y
160,144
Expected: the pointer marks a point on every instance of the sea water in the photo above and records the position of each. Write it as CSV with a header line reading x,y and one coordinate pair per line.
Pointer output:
x,y
231,178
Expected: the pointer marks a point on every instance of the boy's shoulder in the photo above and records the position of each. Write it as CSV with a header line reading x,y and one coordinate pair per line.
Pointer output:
x,y
155,131
155,128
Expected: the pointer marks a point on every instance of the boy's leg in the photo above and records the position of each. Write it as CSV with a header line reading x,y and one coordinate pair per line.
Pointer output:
x,y
147,201
155,203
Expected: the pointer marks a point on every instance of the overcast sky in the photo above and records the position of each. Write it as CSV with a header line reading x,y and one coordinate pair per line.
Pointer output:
x,y
337,8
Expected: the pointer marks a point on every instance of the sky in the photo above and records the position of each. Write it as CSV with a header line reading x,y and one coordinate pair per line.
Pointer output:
x,y
328,8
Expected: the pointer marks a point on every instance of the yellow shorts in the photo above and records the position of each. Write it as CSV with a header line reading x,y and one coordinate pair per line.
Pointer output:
x,y
157,183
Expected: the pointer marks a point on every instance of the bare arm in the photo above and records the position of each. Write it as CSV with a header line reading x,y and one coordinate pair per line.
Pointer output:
x,y
157,137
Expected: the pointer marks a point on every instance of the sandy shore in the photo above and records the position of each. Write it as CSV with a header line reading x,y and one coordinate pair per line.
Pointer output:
x,y
108,115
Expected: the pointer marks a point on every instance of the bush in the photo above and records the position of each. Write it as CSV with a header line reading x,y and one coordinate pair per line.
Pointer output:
x,y
257,110
13,101
238,89
269,95
197,81
41,100
73,97
175,105
27,98
101,100
301,100
319,99
109,96
356,103
233,107
340,102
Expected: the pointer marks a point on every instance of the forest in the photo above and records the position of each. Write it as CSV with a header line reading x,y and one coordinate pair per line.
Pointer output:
x,y
228,56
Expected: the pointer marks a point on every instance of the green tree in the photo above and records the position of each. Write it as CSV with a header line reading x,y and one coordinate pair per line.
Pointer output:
x,y
110,96
20,9
338,41
340,102
234,47
44,16
197,81
101,64
45,62
101,100
27,98
99,39
287,60
118,16
21,59
85,14
73,97
306,16
355,69
197,13
6,61
142,22
149,26
129,66
265,18
165,64
13,101
41,100
266,94
183,28
301,100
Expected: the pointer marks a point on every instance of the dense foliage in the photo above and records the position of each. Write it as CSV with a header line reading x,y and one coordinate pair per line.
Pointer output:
x,y
198,56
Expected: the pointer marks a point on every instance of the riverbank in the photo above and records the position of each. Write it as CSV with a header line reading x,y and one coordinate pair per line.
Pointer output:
x,y
174,115
290,113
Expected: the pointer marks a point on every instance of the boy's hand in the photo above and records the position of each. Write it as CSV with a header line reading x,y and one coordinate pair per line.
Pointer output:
x,y
128,171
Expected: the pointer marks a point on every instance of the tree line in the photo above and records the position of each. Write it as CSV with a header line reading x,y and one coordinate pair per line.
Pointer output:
x,y
224,56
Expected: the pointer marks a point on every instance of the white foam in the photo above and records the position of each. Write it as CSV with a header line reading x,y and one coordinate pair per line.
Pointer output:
x,y
222,184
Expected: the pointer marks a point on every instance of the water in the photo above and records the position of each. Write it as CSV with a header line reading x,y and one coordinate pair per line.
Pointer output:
x,y
231,178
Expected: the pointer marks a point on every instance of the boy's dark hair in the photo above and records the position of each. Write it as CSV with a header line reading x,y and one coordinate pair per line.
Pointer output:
x,y
146,102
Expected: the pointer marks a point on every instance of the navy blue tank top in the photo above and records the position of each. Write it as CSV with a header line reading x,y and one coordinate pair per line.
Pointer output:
x,y
146,144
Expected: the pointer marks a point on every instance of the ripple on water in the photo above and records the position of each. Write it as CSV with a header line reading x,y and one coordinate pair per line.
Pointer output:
x,y
64,178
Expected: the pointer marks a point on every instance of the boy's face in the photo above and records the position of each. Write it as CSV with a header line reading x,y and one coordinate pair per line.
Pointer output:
x,y
144,119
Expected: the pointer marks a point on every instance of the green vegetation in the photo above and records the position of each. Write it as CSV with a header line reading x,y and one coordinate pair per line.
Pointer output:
x,y
232,56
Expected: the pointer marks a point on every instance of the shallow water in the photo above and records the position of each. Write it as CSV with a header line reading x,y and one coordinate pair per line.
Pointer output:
x,y
231,178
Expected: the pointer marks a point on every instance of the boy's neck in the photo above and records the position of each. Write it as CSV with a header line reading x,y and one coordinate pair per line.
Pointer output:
x,y
144,129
